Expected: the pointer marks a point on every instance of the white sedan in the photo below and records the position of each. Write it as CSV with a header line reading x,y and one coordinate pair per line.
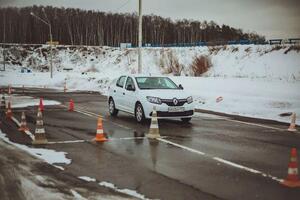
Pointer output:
x,y
138,95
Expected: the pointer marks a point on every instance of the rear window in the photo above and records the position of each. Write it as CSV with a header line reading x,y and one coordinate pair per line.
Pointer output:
x,y
121,81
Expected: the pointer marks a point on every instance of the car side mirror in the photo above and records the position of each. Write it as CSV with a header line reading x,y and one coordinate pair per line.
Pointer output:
x,y
130,88
180,86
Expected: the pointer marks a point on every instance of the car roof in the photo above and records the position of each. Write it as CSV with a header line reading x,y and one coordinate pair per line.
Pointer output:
x,y
145,75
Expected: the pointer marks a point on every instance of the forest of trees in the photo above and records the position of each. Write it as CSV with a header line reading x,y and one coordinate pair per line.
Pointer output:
x,y
81,27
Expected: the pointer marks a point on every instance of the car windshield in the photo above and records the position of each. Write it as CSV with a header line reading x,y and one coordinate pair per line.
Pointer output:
x,y
155,83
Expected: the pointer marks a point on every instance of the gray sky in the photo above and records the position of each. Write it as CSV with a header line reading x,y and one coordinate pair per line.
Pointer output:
x,y
272,18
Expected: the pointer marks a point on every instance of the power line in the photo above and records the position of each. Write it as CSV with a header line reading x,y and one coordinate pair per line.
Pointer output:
x,y
123,5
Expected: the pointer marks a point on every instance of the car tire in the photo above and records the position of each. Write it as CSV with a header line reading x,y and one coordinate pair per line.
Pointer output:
x,y
186,120
139,113
112,108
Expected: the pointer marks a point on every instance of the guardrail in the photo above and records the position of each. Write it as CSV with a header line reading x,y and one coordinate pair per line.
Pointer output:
x,y
194,44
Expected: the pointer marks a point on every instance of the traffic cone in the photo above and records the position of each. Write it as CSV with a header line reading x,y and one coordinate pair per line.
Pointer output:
x,y
3,104
154,130
9,111
293,123
41,106
71,106
100,137
39,133
9,90
23,126
65,86
292,179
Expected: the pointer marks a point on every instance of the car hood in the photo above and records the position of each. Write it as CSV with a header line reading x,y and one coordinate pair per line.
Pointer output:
x,y
165,93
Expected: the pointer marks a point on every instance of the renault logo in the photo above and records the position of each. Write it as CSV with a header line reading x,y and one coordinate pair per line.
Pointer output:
x,y
175,101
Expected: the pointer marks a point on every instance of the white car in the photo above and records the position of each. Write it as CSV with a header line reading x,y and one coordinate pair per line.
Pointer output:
x,y
138,94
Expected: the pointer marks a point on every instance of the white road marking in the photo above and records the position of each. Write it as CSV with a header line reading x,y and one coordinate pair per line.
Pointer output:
x,y
67,142
132,138
182,147
259,125
232,164
91,114
247,169
19,125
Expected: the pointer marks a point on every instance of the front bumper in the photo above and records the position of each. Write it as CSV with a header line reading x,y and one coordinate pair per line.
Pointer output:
x,y
163,110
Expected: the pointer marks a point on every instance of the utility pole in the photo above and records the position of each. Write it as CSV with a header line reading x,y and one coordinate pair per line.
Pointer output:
x,y
51,39
4,57
140,38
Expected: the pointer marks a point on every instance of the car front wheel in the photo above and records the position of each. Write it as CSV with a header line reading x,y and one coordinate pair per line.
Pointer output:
x,y
112,108
139,113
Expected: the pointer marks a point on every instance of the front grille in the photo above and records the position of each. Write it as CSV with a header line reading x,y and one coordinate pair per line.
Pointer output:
x,y
174,114
170,102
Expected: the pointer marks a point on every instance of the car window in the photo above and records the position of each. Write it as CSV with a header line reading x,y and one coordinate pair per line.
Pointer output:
x,y
129,82
155,83
121,81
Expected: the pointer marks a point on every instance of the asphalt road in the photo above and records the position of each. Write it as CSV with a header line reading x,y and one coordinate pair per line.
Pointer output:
x,y
213,157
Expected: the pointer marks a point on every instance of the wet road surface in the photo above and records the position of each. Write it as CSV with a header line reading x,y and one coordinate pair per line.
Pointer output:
x,y
214,157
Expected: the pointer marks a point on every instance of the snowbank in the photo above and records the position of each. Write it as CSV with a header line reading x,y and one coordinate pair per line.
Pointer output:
x,y
48,155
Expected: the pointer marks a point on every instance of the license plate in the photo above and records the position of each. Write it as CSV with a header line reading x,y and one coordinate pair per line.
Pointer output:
x,y
176,109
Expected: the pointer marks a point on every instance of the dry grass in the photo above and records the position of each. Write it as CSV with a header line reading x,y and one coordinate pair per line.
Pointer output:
x,y
200,65
248,50
234,49
293,48
214,49
169,63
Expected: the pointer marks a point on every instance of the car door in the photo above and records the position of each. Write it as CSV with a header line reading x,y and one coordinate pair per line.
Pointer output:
x,y
119,93
130,95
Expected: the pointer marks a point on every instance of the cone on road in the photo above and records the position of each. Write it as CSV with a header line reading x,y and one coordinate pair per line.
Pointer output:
x,y
9,90
293,123
292,179
65,86
41,105
23,126
154,130
71,106
3,104
100,137
39,133
9,113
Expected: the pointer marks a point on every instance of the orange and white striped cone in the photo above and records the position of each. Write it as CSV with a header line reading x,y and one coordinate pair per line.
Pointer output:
x,y
154,130
100,137
23,126
9,90
65,86
2,104
71,105
293,123
292,179
41,105
39,133
9,113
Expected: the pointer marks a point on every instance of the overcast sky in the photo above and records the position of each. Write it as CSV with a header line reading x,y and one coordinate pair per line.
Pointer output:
x,y
272,18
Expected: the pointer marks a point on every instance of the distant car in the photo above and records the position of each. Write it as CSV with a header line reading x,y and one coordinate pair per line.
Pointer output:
x,y
137,95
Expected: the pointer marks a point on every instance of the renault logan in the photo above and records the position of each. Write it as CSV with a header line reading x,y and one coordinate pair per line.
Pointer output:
x,y
138,95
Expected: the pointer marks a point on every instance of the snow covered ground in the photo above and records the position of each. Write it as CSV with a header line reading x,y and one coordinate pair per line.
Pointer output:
x,y
260,81
19,101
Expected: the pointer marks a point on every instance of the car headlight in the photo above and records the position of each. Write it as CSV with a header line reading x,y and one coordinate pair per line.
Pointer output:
x,y
155,100
190,99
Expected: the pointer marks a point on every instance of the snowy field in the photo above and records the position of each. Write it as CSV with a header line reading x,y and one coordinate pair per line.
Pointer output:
x,y
254,80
